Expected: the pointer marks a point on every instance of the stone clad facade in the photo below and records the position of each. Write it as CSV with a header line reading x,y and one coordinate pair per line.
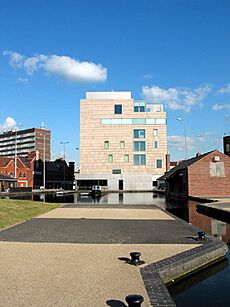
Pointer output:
x,y
122,141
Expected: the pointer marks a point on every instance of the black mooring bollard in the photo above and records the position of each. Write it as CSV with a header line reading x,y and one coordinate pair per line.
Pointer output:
x,y
134,300
135,258
201,235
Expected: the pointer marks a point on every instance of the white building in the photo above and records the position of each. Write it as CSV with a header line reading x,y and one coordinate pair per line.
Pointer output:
x,y
123,142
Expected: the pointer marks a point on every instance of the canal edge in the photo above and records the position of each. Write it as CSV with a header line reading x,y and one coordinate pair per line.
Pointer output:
x,y
157,276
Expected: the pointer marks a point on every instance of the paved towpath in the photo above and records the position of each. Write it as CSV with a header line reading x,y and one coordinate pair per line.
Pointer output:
x,y
70,256
220,209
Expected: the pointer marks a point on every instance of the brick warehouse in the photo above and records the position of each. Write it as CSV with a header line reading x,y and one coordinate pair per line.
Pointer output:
x,y
206,175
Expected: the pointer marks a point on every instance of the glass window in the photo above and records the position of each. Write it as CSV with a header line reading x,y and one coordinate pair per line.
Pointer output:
x,y
159,163
122,144
139,103
139,159
155,132
150,121
160,121
110,158
155,144
126,121
126,158
116,121
116,171
139,121
139,146
106,144
154,183
106,121
139,109
139,133
118,109
20,174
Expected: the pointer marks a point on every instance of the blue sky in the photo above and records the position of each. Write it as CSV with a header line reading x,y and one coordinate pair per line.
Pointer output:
x,y
172,52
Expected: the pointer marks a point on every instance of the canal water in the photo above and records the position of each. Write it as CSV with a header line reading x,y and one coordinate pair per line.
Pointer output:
x,y
209,287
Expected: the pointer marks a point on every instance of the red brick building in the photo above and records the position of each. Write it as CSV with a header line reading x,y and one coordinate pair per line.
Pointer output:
x,y
206,175
25,166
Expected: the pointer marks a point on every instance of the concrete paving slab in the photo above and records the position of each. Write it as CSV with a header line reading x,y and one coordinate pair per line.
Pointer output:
x,y
97,231
107,213
41,274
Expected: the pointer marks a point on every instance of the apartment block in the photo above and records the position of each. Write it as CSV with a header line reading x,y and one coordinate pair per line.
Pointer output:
x,y
123,142
22,142
226,141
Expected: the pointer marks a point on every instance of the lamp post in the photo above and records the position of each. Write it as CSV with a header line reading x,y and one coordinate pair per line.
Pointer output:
x,y
77,162
64,143
185,136
44,159
202,139
15,153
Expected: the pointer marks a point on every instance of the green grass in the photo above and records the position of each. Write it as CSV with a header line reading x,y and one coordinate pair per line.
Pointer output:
x,y
15,211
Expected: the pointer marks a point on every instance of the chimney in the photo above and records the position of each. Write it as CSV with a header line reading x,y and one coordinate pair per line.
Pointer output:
x,y
37,155
167,159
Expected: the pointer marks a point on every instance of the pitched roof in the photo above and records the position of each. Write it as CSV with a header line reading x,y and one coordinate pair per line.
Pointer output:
x,y
183,164
22,162
4,161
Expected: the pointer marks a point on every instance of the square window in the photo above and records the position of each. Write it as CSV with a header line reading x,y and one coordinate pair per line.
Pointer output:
x,y
126,158
159,163
106,144
118,109
110,158
139,133
139,159
122,144
139,146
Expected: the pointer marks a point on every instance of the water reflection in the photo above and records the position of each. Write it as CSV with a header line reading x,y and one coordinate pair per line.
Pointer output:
x,y
184,209
196,278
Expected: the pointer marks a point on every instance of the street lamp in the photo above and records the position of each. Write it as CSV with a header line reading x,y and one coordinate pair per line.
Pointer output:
x,y
77,162
64,143
44,159
15,153
185,136
202,139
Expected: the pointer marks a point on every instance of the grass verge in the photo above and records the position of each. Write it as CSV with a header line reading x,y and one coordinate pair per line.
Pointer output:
x,y
15,211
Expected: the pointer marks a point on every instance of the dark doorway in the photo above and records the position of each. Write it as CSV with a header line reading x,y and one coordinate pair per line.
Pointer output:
x,y
120,184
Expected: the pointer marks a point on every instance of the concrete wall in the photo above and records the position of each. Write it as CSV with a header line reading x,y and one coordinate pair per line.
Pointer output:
x,y
131,182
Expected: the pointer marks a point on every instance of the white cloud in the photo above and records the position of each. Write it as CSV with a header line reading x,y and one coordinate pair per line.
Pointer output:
x,y
177,98
9,124
16,59
74,70
63,66
147,76
22,80
224,90
218,107
177,142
